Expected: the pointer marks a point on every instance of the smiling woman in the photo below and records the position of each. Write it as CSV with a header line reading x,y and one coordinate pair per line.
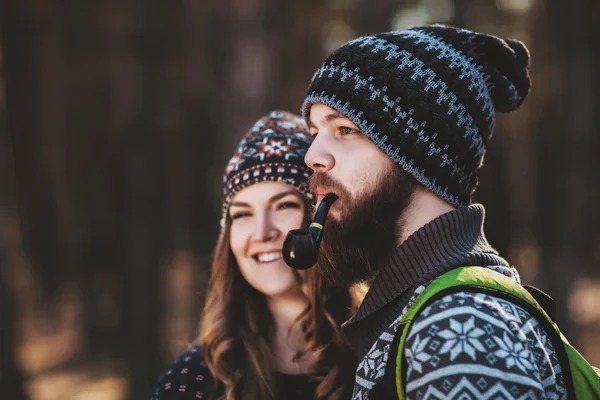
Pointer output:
x,y
267,331
261,216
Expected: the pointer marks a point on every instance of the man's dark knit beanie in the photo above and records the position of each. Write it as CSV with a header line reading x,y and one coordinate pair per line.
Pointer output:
x,y
426,96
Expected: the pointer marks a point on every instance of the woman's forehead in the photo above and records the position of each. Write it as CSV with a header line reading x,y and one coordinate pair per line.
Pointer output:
x,y
264,192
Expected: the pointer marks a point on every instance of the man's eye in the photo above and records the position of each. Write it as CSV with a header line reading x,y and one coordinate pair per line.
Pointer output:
x,y
346,131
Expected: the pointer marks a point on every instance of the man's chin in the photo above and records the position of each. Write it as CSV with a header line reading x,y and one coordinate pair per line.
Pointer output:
x,y
359,238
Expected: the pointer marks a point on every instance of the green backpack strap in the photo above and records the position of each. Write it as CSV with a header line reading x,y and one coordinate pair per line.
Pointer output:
x,y
582,380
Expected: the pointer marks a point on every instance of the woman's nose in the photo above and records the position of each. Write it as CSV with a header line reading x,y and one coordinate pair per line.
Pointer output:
x,y
265,230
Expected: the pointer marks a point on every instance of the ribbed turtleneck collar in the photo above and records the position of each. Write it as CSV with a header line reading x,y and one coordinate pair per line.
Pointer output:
x,y
453,239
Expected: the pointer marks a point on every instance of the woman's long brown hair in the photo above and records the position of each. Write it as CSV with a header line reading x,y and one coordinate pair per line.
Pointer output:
x,y
235,332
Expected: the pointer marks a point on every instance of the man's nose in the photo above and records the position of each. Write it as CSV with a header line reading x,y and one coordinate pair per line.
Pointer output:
x,y
318,157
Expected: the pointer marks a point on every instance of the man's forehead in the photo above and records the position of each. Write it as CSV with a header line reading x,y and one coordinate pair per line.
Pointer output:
x,y
322,114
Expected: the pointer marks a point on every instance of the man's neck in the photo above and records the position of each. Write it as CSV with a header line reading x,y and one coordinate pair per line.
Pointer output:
x,y
424,207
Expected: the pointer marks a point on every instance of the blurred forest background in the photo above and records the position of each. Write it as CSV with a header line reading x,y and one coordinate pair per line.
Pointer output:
x,y
116,122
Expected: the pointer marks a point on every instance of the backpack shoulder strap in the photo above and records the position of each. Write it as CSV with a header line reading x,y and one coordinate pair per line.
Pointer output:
x,y
480,280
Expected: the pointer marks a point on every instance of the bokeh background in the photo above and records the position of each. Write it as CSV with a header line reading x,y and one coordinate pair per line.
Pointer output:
x,y
117,118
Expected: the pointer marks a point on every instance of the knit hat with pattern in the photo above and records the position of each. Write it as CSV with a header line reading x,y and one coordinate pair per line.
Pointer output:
x,y
426,96
272,150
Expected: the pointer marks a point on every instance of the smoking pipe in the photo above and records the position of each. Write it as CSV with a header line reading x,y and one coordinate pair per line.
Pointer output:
x,y
301,247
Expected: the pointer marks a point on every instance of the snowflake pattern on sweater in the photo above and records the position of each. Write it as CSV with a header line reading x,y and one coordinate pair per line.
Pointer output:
x,y
473,345
469,346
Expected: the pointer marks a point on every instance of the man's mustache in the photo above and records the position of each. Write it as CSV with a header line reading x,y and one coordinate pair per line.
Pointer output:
x,y
324,181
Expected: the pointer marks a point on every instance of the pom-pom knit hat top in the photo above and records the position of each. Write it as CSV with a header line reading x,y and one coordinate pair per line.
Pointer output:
x,y
426,96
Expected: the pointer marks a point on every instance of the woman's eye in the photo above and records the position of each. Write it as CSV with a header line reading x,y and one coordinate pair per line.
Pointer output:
x,y
288,204
241,214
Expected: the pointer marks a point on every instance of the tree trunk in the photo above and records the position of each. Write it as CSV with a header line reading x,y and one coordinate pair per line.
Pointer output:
x,y
156,44
12,385
94,233
21,25
569,229
11,379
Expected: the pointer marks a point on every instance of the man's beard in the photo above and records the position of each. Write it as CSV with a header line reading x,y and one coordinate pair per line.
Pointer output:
x,y
365,233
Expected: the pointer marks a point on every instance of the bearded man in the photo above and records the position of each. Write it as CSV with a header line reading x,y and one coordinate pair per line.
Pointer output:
x,y
400,122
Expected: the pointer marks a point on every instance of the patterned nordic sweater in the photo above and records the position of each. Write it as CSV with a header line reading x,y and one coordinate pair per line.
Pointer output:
x,y
462,346
188,378
468,345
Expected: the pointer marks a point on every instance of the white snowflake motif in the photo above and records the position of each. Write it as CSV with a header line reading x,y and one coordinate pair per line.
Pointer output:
x,y
416,354
301,136
462,338
370,361
513,353
271,147
234,163
288,125
257,127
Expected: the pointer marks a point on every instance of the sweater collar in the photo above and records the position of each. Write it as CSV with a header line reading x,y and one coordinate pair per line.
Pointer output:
x,y
451,239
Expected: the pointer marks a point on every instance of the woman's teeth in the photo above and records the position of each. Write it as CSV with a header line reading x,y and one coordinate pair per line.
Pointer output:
x,y
268,257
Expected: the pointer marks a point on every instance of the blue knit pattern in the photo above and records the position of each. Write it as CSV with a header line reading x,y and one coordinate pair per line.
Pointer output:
x,y
408,164
427,97
432,82
469,346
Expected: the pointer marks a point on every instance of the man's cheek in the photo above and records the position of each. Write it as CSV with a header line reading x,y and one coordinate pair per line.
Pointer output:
x,y
342,208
